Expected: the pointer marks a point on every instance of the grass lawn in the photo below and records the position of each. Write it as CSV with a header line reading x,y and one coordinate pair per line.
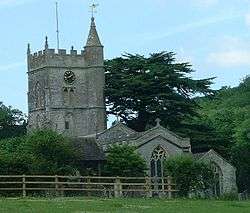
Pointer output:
x,y
86,205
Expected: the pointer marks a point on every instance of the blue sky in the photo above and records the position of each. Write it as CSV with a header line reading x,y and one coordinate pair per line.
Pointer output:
x,y
213,35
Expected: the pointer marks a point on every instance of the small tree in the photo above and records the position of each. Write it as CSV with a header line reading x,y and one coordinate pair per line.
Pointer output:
x,y
124,161
42,152
13,159
12,122
189,175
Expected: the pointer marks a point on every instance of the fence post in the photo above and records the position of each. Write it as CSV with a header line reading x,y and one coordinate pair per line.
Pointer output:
x,y
24,186
88,186
148,186
56,185
117,188
163,186
169,187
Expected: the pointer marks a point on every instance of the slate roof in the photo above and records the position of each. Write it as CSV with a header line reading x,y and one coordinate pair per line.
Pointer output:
x,y
120,133
89,149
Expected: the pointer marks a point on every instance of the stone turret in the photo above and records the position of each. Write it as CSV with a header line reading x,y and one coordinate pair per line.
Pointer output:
x,y
93,48
93,38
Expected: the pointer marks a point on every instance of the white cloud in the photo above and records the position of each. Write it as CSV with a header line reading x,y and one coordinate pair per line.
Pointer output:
x,y
11,66
230,58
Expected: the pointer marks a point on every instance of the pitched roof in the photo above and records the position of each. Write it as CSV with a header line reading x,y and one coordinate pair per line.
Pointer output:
x,y
200,156
116,133
120,133
160,131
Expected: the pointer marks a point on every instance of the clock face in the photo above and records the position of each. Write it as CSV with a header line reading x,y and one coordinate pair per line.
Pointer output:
x,y
69,77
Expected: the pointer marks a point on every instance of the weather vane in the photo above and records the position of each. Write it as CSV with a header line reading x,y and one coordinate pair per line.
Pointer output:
x,y
93,7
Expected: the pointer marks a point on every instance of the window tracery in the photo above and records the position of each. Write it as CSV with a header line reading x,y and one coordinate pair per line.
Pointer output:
x,y
157,159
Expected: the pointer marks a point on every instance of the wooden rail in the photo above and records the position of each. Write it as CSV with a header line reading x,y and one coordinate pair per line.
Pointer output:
x,y
89,186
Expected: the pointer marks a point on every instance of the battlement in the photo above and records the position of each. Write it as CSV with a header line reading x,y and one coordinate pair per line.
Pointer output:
x,y
53,57
90,56
60,52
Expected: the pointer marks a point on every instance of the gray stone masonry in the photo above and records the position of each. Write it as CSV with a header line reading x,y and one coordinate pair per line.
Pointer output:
x,y
76,108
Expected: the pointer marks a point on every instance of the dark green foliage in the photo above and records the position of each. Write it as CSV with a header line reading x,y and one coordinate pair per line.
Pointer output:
x,y
241,159
224,121
139,89
12,122
51,153
242,131
124,161
189,175
225,115
13,159
43,152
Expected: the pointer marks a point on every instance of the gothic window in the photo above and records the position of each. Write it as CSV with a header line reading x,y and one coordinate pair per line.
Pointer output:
x,y
217,186
157,160
39,96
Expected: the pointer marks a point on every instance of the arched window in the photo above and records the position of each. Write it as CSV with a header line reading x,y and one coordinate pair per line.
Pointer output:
x,y
157,160
217,186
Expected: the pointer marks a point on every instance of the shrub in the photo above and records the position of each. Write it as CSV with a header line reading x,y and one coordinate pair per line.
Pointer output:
x,y
124,161
189,175
51,153
42,152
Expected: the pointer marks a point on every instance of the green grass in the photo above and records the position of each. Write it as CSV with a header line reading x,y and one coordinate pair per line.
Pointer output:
x,y
86,205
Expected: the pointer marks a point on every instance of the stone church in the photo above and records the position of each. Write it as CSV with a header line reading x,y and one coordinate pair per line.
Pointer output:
x,y
66,94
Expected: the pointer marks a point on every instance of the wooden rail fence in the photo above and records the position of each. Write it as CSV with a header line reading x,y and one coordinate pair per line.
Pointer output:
x,y
89,186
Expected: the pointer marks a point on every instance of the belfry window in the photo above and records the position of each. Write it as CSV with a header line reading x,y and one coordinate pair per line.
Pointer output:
x,y
157,160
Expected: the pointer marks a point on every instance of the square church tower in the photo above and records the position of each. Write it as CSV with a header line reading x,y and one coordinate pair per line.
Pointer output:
x,y
66,90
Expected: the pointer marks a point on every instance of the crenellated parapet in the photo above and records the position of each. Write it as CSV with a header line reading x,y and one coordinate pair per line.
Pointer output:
x,y
55,58
54,52
91,56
